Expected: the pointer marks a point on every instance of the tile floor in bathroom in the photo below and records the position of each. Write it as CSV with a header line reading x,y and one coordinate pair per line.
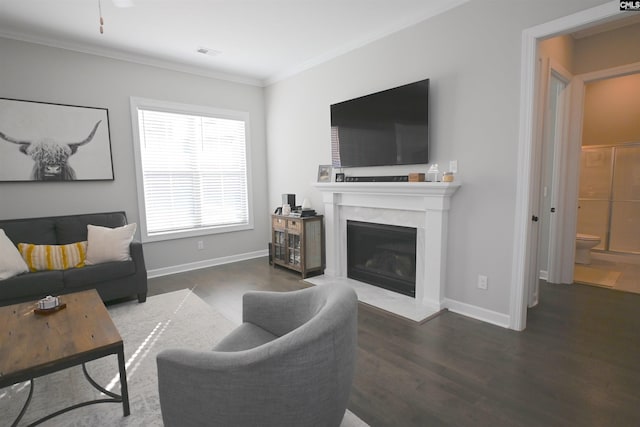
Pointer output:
x,y
629,278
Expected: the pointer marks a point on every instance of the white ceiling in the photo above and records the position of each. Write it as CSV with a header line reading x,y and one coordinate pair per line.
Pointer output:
x,y
260,41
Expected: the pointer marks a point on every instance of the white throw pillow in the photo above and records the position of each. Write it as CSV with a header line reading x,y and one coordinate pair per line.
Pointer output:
x,y
11,262
109,244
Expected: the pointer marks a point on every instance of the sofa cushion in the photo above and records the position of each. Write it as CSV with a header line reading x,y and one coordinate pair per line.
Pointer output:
x,y
53,257
11,263
109,244
36,285
38,231
245,337
74,228
91,274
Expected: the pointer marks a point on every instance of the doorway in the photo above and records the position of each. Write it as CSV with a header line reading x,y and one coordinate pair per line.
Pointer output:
x,y
609,195
525,233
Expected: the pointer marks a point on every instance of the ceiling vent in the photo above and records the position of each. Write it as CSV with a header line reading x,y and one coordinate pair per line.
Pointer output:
x,y
207,51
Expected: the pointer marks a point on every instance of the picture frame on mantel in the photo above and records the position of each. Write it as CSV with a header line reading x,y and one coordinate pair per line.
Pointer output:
x,y
324,173
43,141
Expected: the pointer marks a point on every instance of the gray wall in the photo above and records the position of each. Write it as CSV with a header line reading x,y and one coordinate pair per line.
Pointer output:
x,y
472,56
39,73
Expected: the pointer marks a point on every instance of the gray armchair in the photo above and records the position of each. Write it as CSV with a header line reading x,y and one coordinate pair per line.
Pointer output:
x,y
291,363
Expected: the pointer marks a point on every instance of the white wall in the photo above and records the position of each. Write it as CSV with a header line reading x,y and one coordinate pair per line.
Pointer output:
x,y
39,73
472,56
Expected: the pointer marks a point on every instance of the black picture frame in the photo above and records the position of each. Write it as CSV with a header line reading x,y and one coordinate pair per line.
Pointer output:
x,y
44,141
340,177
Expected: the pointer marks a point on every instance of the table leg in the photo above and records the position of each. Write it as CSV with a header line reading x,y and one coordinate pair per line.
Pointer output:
x,y
124,390
24,408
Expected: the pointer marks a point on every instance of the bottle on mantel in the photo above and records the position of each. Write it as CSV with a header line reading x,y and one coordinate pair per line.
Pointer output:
x,y
433,174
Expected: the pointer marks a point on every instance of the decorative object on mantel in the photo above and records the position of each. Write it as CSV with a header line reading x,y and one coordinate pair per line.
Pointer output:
x,y
340,177
48,135
447,177
324,173
433,174
416,177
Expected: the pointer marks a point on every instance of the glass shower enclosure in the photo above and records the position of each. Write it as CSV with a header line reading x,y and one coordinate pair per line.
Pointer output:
x,y
609,198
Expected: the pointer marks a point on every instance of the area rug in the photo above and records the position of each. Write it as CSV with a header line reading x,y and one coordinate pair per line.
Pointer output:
x,y
595,276
176,319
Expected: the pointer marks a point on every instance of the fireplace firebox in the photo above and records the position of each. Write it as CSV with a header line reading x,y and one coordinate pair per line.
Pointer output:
x,y
382,255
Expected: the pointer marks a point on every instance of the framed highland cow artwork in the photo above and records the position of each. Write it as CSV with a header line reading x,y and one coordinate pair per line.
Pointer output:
x,y
42,141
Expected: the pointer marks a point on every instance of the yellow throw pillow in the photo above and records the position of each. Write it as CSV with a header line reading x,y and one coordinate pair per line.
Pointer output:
x,y
53,257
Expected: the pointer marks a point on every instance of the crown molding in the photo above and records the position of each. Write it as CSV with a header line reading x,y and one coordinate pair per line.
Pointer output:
x,y
204,72
129,57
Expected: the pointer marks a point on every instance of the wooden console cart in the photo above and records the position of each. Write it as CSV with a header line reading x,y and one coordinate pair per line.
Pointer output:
x,y
297,243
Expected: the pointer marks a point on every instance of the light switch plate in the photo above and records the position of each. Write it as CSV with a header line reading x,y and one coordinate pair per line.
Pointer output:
x,y
453,166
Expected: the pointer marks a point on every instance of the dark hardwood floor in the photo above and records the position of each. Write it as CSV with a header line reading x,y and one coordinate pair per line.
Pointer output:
x,y
576,364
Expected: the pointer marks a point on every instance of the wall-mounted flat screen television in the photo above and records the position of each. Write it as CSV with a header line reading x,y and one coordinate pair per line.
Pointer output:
x,y
385,128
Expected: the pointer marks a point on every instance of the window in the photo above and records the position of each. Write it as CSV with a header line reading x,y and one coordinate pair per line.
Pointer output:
x,y
192,169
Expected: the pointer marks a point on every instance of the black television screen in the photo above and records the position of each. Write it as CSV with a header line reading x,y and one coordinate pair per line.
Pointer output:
x,y
381,129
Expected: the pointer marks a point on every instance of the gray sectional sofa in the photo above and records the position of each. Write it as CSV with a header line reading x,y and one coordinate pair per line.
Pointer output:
x,y
112,280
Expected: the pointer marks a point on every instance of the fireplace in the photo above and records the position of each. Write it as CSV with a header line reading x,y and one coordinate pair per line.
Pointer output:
x,y
421,205
382,255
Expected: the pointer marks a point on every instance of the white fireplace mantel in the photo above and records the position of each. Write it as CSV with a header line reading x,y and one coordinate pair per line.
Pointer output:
x,y
422,205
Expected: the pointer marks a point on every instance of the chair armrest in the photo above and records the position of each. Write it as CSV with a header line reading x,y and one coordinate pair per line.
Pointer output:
x,y
278,312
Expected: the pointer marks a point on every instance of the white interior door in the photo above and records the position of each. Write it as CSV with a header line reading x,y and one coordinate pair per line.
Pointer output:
x,y
554,205
537,164
551,136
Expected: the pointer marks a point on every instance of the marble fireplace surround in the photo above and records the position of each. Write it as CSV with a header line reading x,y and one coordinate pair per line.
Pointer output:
x,y
421,205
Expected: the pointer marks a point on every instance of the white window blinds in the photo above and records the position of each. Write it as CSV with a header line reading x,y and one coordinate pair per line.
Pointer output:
x,y
194,171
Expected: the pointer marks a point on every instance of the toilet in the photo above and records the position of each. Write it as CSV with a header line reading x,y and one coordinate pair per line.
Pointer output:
x,y
584,243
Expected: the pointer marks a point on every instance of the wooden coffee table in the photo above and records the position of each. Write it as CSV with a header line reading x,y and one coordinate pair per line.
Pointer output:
x,y
33,345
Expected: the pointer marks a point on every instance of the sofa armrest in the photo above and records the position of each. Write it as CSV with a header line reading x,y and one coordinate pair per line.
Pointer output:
x,y
278,312
137,255
135,250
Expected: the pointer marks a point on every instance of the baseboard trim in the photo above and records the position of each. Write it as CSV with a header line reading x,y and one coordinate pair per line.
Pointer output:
x,y
479,313
181,268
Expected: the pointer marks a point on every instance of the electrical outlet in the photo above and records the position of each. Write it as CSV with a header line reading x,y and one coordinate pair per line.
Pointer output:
x,y
200,245
482,282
